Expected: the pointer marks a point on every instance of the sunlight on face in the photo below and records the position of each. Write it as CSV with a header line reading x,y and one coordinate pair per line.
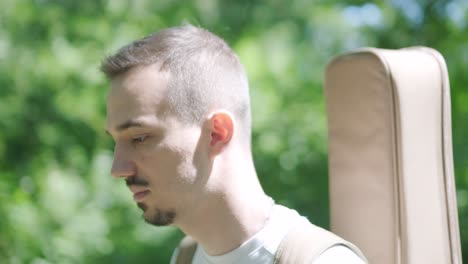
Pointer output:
x,y
157,154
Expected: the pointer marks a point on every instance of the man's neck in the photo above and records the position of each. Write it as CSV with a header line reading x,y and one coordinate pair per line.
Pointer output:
x,y
230,217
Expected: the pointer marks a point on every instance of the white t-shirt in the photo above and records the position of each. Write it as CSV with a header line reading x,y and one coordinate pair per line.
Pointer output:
x,y
261,248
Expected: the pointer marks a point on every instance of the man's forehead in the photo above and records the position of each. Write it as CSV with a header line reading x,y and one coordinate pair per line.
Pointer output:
x,y
140,80
139,92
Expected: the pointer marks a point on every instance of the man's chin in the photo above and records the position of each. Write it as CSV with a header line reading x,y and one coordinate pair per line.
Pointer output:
x,y
157,217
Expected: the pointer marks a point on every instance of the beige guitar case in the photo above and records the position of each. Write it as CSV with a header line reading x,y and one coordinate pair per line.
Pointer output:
x,y
392,190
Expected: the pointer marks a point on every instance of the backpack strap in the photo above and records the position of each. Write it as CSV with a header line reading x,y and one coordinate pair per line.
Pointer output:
x,y
305,242
187,249
302,244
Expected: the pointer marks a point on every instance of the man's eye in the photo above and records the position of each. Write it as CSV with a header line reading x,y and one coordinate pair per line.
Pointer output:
x,y
139,139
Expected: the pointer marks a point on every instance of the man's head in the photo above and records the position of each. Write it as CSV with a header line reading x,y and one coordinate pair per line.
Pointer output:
x,y
178,98
205,74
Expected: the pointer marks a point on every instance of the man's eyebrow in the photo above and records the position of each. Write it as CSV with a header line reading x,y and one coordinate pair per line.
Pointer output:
x,y
128,124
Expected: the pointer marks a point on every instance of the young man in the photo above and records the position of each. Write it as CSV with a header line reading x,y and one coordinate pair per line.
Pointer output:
x,y
179,112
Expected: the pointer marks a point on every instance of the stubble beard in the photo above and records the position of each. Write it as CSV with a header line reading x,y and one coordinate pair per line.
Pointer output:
x,y
159,217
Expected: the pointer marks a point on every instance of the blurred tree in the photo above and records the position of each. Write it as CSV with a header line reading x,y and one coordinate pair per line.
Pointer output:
x,y
59,204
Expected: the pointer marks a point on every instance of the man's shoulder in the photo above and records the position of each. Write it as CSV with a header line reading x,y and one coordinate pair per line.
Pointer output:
x,y
291,238
305,242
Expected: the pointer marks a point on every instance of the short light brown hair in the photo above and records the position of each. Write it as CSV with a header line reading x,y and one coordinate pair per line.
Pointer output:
x,y
205,74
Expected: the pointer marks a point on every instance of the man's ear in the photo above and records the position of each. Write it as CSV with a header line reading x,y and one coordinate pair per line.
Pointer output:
x,y
221,126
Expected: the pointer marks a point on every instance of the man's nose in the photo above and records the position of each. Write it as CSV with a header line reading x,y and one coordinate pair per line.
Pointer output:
x,y
122,166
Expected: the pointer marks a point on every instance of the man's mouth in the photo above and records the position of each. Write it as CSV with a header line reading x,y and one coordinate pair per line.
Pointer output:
x,y
138,186
139,196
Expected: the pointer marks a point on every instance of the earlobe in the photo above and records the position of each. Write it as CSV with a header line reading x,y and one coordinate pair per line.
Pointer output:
x,y
222,129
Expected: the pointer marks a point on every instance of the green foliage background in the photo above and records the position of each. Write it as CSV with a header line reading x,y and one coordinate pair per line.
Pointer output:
x,y
58,201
